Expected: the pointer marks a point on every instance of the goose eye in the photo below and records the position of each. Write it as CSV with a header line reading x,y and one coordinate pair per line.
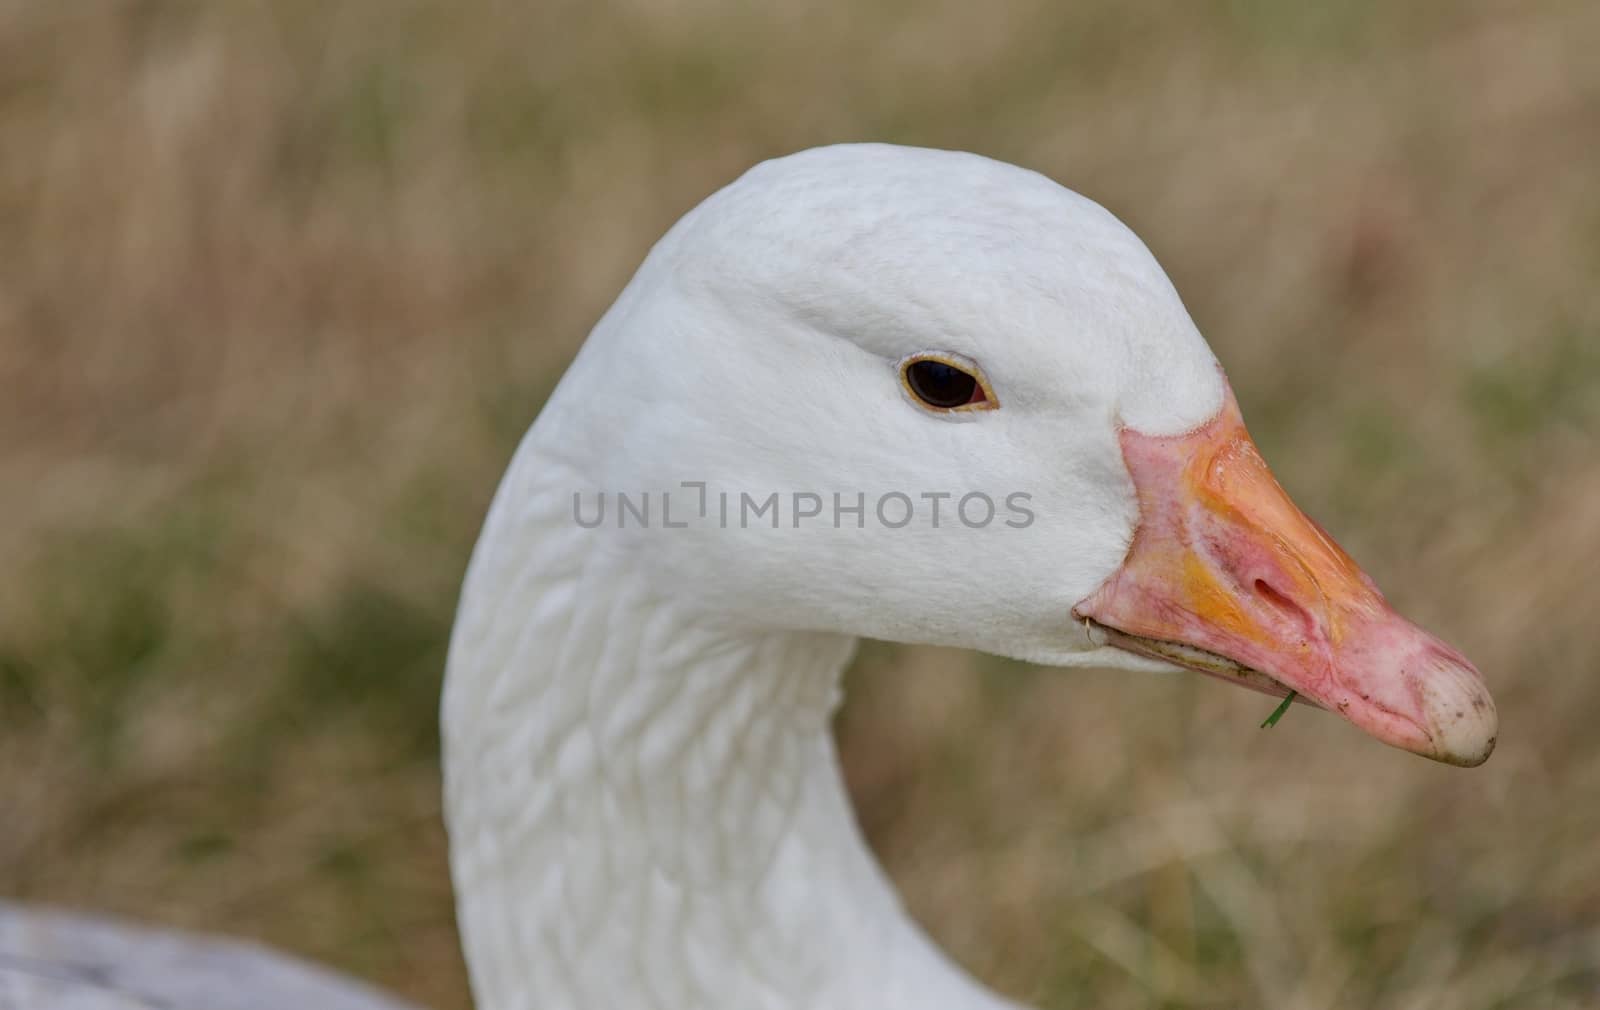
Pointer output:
x,y
943,384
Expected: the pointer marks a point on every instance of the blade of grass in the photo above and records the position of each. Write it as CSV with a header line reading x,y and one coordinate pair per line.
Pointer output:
x,y
1277,713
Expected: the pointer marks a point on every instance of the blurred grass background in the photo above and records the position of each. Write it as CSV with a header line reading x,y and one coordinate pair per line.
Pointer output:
x,y
282,283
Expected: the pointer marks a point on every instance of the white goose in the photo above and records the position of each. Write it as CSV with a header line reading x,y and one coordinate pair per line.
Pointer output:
x,y
644,804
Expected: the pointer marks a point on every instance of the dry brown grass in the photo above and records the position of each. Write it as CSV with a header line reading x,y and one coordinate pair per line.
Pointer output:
x,y
280,284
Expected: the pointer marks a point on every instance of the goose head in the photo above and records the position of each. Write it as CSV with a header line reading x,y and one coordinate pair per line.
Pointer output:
x,y
927,397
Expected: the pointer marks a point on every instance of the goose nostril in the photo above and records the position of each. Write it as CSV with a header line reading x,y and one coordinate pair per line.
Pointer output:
x,y
1280,601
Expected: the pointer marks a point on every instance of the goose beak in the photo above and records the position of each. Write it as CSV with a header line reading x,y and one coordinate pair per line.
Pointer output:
x,y
1226,576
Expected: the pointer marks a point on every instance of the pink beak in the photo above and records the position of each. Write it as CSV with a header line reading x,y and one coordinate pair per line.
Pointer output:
x,y
1225,575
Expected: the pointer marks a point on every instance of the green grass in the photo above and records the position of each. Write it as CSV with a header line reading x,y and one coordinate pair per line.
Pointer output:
x,y
1277,713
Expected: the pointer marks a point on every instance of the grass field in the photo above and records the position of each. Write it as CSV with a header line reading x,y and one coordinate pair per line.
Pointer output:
x,y
282,283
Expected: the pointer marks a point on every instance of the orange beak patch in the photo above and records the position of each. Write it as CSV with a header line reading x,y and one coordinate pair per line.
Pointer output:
x,y
1226,576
